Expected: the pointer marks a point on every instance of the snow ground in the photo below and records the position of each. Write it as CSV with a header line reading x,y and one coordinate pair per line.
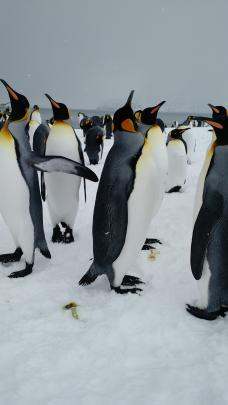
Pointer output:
x,y
124,349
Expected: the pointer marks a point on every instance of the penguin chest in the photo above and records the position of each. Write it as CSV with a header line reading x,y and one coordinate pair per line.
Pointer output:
x,y
177,162
190,139
33,125
15,195
62,188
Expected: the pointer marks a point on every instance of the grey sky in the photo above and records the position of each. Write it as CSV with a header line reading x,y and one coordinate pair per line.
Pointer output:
x,y
90,53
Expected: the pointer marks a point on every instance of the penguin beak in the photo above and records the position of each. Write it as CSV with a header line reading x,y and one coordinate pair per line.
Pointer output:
x,y
214,109
211,122
11,92
157,107
130,97
182,130
53,102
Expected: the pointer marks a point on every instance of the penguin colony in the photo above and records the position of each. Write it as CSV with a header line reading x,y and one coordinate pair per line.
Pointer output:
x,y
141,162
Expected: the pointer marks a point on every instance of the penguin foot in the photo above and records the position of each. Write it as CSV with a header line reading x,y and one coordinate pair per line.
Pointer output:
x,y
151,241
57,236
175,189
120,290
22,273
11,257
68,235
204,314
131,281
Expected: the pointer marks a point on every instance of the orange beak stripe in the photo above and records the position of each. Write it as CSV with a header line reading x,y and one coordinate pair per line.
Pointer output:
x,y
12,93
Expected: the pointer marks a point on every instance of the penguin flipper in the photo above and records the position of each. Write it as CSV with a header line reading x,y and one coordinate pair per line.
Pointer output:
x,y
43,187
61,164
209,214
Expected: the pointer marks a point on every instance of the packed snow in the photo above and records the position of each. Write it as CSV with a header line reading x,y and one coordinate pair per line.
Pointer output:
x,y
134,349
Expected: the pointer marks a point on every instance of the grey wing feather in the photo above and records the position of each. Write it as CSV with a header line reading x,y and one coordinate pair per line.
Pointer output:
x,y
209,215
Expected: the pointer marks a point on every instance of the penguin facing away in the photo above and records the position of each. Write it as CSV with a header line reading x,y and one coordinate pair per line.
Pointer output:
x,y
111,219
62,190
177,160
209,261
20,202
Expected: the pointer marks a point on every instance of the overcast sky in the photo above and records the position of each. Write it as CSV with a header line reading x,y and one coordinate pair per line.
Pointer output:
x,y
91,53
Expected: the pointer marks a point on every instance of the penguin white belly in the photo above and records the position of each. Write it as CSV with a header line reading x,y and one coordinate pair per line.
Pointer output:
x,y
143,204
33,125
190,139
201,180
15,198
62,189
177,164
36,117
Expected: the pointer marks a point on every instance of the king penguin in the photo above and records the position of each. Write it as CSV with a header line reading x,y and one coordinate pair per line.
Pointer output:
x,y
148,191
209,260
62,190
111,214
190,138
34,122
20,202
217,111
177,160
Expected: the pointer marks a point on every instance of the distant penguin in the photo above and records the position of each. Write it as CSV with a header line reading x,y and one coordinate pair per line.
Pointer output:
x,y
177,161
94,143
81,116
108,126
209,260
62,190
20,202
217,111
34,122
190,138
111,216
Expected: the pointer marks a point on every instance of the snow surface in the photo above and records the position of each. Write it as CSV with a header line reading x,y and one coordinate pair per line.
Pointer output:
x,y
124,349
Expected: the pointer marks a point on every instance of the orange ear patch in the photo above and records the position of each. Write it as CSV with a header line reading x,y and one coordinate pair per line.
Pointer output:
x,y
214,124
113,127
127,125
12,93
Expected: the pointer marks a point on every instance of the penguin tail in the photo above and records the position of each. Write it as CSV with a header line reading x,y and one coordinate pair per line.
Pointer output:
x,y
46,253
90,276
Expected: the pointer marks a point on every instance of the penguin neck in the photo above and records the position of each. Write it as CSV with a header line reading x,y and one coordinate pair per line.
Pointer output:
x,y
36,117
62,122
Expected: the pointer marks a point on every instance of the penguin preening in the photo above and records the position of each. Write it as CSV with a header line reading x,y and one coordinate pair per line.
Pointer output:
x,y
20,202
209,260
177,160
62,190
111,216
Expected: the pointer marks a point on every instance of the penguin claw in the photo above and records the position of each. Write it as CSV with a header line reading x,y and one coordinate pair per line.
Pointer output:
x,y
120,290
204,314
131,280
20,273
57,236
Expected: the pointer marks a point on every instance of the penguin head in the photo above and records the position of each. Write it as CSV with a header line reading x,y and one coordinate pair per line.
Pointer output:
x,y
19,104
124,119
149,115
177,133
36,107
220,126
60,111
217,110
